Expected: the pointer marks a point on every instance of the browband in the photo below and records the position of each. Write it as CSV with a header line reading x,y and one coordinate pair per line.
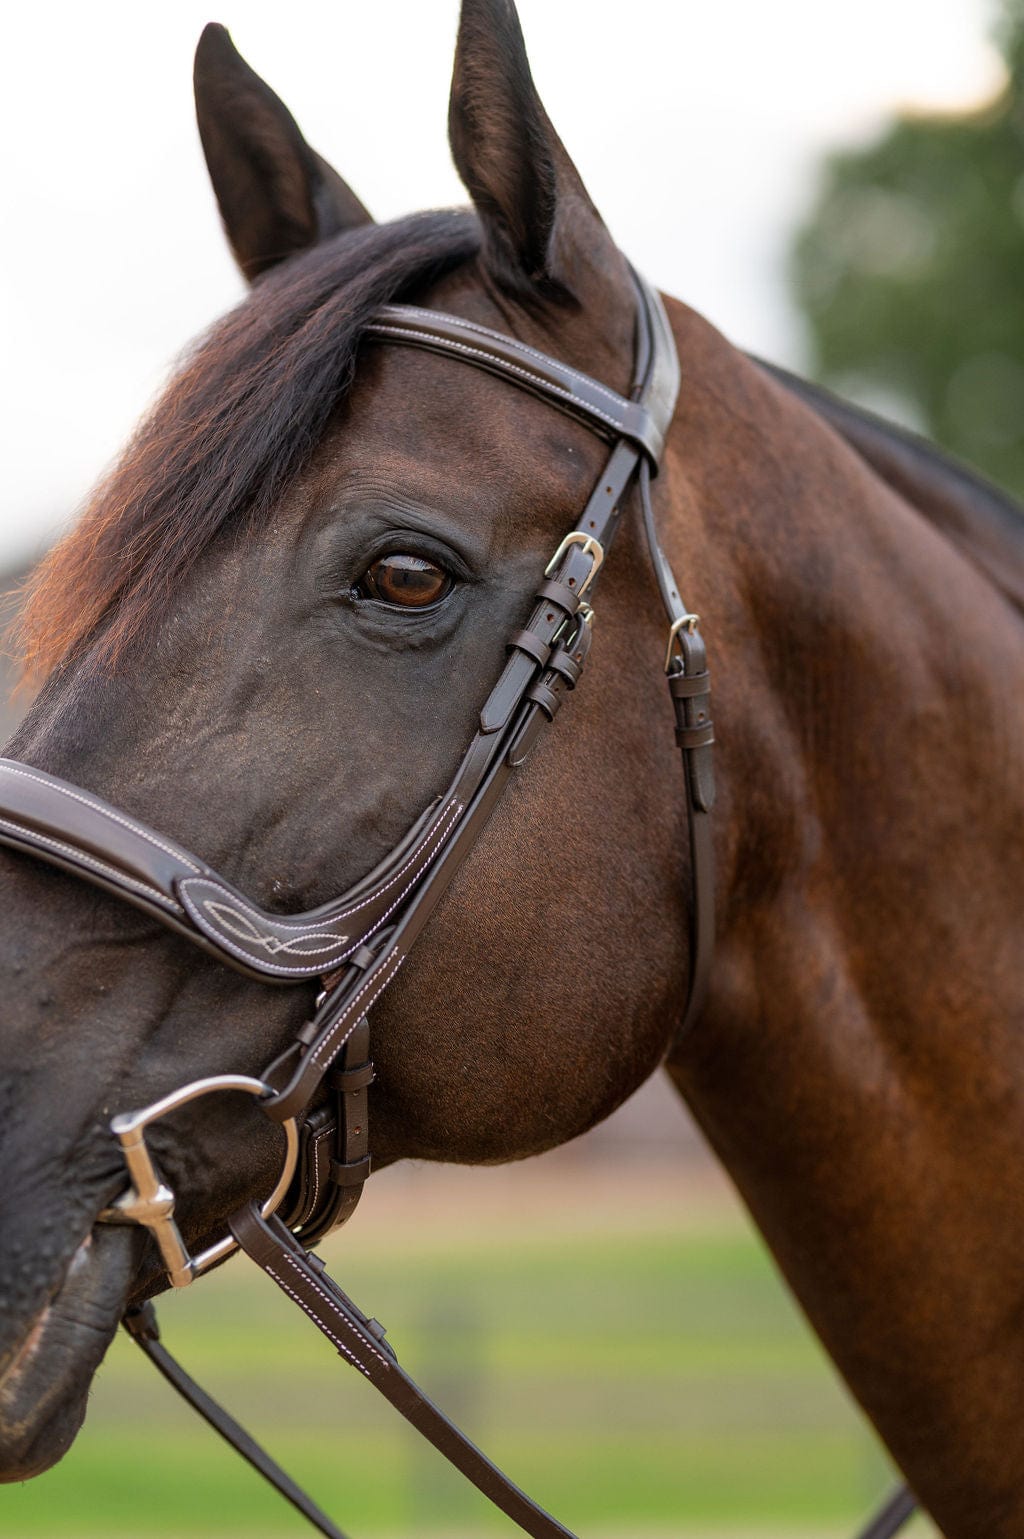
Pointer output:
x,y
557,383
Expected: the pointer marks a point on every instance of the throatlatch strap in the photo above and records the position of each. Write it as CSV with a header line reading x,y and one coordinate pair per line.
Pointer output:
x,y
689,686
360,1341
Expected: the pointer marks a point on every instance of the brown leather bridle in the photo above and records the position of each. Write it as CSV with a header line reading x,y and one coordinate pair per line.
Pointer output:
x,y
357,943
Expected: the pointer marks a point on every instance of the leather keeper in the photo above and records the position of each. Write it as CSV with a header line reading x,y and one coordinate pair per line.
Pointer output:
x,y
347,1080
354,1173
531,644
559,594
696,737
682,686
564,663
545,697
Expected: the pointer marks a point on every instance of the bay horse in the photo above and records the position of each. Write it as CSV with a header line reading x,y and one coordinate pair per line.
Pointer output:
x,y
269,638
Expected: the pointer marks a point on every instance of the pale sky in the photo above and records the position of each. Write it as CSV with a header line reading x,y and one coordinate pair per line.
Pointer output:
x,y
697,128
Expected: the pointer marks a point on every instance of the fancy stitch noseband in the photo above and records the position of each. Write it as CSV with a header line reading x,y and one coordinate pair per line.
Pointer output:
x,y
356,944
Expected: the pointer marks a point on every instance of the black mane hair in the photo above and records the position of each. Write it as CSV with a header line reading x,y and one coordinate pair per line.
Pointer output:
x,y
232,430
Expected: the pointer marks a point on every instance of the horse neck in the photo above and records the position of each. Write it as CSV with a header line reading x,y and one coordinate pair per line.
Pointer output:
x,y
845,628
858,1054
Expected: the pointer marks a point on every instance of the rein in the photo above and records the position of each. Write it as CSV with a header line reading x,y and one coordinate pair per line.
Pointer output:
x,y
357,943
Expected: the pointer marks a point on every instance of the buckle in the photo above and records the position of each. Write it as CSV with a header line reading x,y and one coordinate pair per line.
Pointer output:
x,y
589,546
685,622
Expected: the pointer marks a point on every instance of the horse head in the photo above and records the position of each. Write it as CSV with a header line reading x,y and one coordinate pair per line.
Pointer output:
x,y
270,637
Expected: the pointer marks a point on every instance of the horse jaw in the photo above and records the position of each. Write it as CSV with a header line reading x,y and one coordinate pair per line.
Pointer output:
x,y
44,1384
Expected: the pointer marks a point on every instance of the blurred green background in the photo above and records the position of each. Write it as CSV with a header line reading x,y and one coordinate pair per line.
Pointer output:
x,y
909,272
611,1331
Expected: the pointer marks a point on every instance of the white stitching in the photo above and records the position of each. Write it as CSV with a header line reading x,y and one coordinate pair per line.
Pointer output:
x,y
296,969
439,833
438,836
474,329
32,837
317,1321
317,1137
285,970
222,913
312,1283
547,385
441,836
383,978
107,812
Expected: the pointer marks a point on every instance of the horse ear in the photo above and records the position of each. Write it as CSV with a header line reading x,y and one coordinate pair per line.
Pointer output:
x,y
277,196
542,234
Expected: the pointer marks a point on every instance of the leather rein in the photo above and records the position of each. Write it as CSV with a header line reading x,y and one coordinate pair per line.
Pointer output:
x,y
357,943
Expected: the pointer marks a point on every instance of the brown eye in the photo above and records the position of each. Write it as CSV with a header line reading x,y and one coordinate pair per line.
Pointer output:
x,y
407,580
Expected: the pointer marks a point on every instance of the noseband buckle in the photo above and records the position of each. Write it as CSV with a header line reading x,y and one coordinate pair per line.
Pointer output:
x,y
149,1201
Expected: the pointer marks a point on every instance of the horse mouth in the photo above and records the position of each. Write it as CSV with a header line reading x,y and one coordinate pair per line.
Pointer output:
x,y
44,1386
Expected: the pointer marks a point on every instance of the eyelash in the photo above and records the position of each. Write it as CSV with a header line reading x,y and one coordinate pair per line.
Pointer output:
x,y
406,571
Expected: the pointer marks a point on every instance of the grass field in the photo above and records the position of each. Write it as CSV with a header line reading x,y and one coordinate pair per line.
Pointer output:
x,y
620,1344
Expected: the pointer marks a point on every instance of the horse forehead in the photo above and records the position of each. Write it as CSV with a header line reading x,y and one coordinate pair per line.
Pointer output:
x,y
446,433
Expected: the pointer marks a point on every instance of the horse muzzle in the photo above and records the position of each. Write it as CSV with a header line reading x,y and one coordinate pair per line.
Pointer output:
x,y
44,1383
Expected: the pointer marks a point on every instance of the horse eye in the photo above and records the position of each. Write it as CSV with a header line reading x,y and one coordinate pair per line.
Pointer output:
x,y
410,581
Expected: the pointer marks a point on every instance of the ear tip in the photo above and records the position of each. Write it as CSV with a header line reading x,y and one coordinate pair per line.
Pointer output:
x,y
214,45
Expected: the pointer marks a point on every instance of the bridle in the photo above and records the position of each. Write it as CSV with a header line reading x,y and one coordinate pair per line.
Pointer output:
x,y
357,943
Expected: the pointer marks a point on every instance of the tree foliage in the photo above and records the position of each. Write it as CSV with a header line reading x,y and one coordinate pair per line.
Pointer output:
x,y
910,273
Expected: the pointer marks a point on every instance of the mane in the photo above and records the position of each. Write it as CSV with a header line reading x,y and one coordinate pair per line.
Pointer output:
x,y
234,427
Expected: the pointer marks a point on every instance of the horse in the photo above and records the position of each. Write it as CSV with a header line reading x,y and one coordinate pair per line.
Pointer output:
x,y
270,637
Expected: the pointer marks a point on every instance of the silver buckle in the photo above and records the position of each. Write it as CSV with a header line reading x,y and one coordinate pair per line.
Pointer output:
x,y
148,1201
590,547
685,622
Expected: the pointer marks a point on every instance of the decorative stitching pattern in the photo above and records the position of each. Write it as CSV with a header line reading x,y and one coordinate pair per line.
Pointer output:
x,y
246,930
441,828
547,385
85,859
107,812
425,852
